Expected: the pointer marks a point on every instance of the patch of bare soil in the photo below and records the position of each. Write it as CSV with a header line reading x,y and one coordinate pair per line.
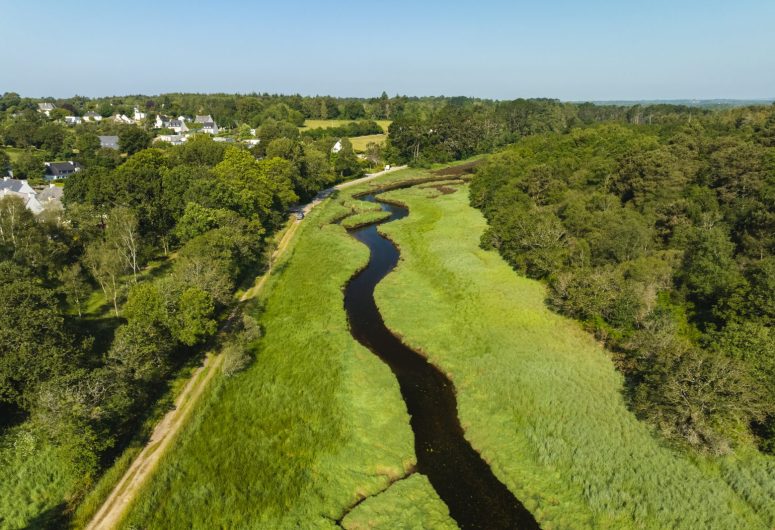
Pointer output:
x,y
459,170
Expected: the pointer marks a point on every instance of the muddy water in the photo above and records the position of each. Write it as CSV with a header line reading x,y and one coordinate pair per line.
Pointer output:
x,y
474,496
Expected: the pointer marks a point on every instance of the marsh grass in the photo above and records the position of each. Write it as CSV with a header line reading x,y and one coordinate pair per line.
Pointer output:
x,y
410,504
364,218
539,398
314,424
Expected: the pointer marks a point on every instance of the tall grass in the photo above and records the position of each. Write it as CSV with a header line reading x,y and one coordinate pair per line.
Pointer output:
x,y
540,398
35,479
315,424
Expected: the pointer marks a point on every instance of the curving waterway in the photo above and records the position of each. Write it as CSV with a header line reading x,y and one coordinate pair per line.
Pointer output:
x,y
474,496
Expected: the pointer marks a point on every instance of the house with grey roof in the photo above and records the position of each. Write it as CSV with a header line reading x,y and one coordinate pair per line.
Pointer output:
x,y
208,124
210,127
176,124
10,187
60,170
109,142
51,198
46,108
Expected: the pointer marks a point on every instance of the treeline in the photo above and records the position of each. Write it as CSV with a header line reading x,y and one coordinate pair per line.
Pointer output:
x,y
101,304
462,127
227,109
661,240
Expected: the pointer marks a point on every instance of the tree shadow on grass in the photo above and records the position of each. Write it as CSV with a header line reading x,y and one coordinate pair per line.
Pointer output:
x,y
52,518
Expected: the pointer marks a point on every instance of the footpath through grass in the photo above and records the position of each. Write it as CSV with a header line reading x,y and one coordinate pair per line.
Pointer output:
x,y
313,426
539,398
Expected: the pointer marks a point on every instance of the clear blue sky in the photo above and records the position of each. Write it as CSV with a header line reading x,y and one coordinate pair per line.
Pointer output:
x,y
572,50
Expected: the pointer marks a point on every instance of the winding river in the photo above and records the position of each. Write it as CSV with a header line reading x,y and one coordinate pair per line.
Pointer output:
x,y
474,496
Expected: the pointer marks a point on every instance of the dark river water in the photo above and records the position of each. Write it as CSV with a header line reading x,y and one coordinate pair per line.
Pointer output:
x,y
474,496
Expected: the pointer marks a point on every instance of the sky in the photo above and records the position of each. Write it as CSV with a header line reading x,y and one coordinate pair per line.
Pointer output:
x,y
571,50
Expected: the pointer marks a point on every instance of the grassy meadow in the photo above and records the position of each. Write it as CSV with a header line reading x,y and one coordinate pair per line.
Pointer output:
x,y
313,426
539,398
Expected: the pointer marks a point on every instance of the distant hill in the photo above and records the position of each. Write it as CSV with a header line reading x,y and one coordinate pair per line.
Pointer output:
x,y
716,103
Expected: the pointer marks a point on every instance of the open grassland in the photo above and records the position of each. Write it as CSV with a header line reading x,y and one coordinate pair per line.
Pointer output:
x,y
313,426
329,124
410,503
13,152
539,398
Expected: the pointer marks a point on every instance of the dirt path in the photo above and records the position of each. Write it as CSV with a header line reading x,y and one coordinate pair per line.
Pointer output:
x,y
123,494
109,515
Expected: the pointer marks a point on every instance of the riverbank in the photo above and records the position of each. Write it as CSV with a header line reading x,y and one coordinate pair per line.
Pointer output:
x,y
315,426
538,397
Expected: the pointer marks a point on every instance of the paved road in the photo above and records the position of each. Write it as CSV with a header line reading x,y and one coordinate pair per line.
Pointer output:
x,y
325,193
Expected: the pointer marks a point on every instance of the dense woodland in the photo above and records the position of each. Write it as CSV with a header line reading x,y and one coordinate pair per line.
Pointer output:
x,y
660,239
653,225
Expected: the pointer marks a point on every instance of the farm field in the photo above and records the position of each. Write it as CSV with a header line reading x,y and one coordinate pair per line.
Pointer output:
x,y
361,142
539,398
328,124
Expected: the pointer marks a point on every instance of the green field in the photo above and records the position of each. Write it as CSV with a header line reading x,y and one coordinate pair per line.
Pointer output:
x,y
537,395
328,124
13,152
316,424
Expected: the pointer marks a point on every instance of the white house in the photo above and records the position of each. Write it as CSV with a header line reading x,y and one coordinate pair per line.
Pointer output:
x,y
46,108
174,139
139,115
73,120
92,116
20,188
337,147
123,118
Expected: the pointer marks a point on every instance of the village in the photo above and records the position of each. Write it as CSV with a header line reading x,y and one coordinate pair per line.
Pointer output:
x,y
47,197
